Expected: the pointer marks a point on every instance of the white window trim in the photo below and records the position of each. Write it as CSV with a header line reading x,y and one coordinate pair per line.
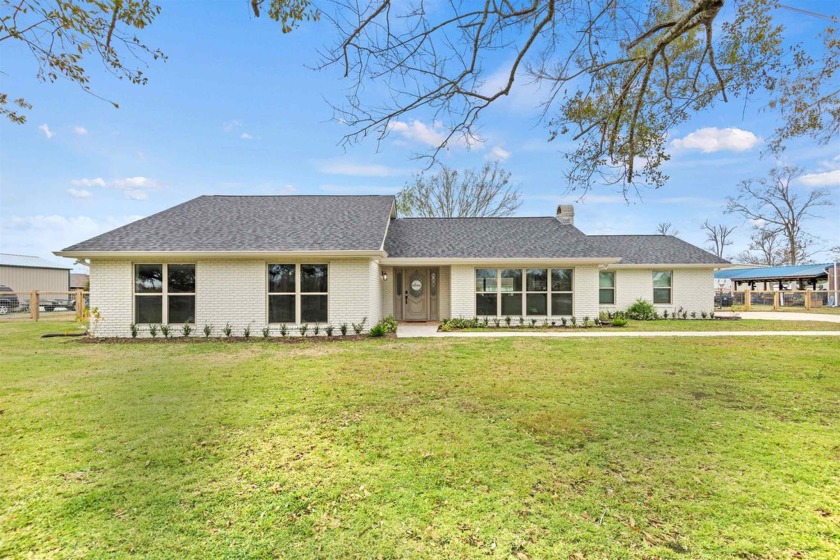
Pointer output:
x,y
297,293
670,288
524,291
614,286
164,293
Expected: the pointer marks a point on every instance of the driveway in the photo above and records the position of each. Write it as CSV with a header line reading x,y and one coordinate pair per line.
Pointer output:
x,y
782,316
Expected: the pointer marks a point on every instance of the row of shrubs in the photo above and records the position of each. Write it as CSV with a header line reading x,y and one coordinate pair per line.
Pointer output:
x,y
387,325
643,310
522,322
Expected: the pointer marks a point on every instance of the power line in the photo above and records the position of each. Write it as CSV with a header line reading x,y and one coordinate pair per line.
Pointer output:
x,y
834,19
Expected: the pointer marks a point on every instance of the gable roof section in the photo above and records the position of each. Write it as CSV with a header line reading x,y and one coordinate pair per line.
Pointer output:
x,y
8,259
654,250
487,238
254,224
774,272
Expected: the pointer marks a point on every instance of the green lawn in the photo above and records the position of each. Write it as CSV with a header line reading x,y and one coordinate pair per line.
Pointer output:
x,y
688,325
490,448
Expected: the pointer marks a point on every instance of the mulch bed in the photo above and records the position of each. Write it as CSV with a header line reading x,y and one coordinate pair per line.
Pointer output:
x,y
230,340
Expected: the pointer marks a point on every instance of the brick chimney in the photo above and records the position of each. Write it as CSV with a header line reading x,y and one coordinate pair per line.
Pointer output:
x,y
566,214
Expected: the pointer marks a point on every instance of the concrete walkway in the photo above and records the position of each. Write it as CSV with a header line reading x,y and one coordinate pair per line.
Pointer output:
x,y
492,333
782,316
417,330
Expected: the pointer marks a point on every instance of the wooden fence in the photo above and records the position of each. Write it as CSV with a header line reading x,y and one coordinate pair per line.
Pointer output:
x,y
68,305
776,300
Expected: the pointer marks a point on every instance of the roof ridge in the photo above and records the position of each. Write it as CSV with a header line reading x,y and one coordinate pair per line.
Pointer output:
x,y
295,195
476,218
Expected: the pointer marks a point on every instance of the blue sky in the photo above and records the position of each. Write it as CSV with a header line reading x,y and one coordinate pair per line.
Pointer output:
x,y
236,110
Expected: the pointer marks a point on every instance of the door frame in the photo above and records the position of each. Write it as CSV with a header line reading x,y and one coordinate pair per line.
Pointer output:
x,y
430,302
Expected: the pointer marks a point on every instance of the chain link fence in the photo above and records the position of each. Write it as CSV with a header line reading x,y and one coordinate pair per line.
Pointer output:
x,y
53,306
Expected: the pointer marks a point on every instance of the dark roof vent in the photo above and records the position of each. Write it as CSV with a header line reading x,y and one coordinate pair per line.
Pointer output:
x,y
566,214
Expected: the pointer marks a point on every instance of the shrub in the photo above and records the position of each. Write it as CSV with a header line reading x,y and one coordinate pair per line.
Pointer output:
x,y
164,330
316,329
619,322
521,321
665,313
153,330
553,323
134,330
496,322
460,323
391,323
284,330
359,327
603,316
574,321
685,314
377,330
563,321
266,331
507,320
545,323
186,329
247,331
641,310
208,329
693,314
586,321
329,330
343,329
712,314
486,321
303,328
228,330
703,315
533,323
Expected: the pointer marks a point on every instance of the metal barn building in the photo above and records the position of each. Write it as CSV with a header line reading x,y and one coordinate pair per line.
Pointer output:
x,y
24,273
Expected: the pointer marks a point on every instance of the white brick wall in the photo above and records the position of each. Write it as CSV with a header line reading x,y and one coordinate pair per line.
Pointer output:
x,y
232,292
350,291
111,290
462,294
375,292
693,289
386,292
445,293
585,296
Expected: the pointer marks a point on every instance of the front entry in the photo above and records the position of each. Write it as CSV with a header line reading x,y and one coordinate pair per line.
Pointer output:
x,y
416,291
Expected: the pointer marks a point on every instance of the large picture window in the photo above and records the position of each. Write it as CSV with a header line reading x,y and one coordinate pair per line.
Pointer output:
x,y
519,292
164,293
606,288
662,286
297,293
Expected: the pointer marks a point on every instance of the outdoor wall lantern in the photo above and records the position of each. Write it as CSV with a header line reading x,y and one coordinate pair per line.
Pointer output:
x,y
384,276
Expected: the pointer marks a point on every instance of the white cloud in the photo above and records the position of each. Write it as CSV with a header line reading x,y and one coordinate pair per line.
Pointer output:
x,y
497,153
246,136
345,167
80,130
46,130
713,139
97,182
432,136
230,126
824,179
133,188
79,193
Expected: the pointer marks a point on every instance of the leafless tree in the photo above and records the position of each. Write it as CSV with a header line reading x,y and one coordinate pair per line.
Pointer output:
x,y
717,236
766,248
780,208
665,228
615,76
449,193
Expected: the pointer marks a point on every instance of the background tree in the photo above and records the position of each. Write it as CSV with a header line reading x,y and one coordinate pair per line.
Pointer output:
x,y
665,228
64,36
835,253
780,209
766,249
449,193
616,76
717,236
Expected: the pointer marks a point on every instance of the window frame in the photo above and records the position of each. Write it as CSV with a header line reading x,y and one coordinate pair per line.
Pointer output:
x,y
163,293
297,293
523,292
670,287
611,289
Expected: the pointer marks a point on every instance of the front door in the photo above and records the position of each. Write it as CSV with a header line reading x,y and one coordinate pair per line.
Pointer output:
x,y
416,294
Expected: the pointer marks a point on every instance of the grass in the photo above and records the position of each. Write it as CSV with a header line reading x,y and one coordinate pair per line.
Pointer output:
x,y
686,325
813,310
502,448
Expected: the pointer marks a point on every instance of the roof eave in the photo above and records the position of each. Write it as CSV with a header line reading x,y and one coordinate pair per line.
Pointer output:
x,y
715,266
430,261
83,254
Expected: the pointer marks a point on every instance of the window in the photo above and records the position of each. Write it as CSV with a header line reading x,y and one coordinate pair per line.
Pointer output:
x,y
536,287
500,292
297,293
662,286
606,288
486,298
150,293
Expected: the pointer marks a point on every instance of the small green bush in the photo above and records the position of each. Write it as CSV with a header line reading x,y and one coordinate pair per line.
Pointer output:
x,y
377,330
329,330
391,323
641,310
619,322
186,329
266,331
208,330
134,330
303,328
228,330
247,332
153,330
164,330
343,329
359,327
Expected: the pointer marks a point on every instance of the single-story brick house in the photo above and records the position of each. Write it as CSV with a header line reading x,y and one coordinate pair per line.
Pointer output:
x,y
272,260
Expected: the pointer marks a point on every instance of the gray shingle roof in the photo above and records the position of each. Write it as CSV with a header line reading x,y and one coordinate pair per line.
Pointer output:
x,y
503,238
653,249
255,223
